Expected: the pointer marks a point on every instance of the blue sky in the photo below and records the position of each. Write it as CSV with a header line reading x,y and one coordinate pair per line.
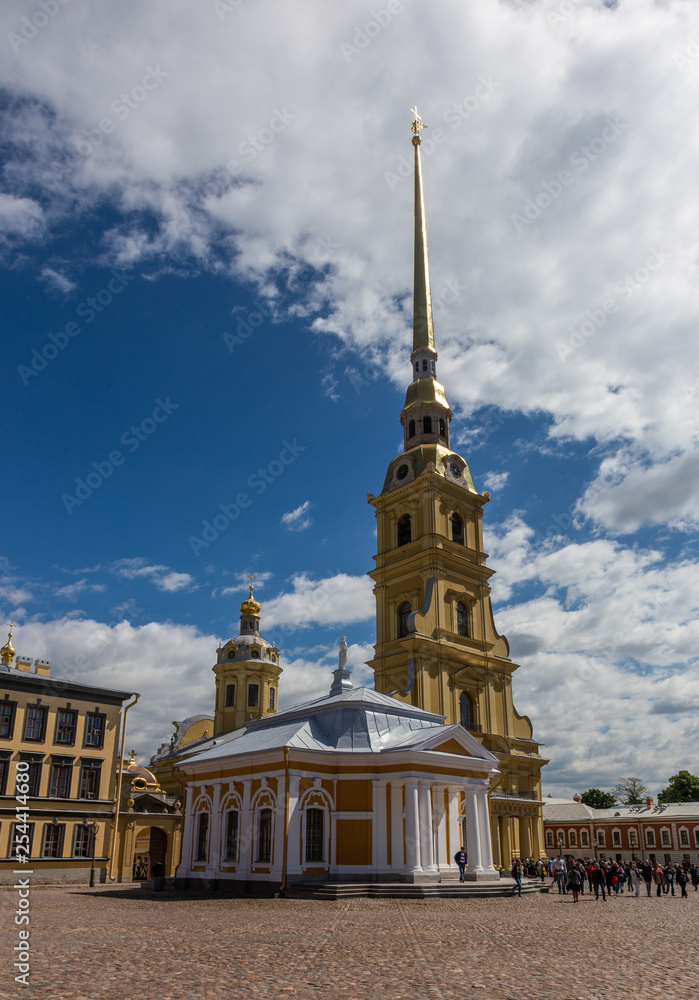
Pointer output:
x,y
205,258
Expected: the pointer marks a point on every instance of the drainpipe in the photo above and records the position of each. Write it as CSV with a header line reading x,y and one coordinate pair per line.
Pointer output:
x,y
113,838
282,887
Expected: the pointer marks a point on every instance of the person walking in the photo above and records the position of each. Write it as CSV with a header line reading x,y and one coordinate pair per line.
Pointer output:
x,y
657,877
461,858
559,873
682,880
517,873
599,881
647,873
574,882
637,878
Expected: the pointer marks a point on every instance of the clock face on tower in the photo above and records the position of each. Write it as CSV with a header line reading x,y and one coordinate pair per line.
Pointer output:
x,y
455,470
402,472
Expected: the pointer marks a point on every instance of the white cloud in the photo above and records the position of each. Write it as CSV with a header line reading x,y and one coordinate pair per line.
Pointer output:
x,y
54,279
494,481
20,216
162,577
15,593
336,600
598,97
71,591
298,519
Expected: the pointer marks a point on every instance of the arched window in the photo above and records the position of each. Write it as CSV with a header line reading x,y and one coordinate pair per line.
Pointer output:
x,y
417,366
466,710
230,695
549,838
231,852
202,835
442,428
461,619
457,529
411,429
253,695
403,613
432,363
271,699
314,834
404,529
264,835
424,365
427,425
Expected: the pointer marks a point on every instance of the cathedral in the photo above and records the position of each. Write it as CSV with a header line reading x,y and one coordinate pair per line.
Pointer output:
x,y
383,783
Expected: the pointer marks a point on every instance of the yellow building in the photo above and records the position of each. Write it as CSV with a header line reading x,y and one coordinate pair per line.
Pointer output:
x,y
437,646
59,742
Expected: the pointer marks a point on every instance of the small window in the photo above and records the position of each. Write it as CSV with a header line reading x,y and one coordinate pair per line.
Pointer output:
x,y
271,699
4,771
7,718
255,654
53,840
34,777
231,653
466,710
82,840
94,730
462,619
90,780
65,726
202,834
665,838
616,838
442,428
314,834
230,695
572,838
404,533
403,615
584,838
696,836
264,835
427,425
424,365
684,838
432,366
411,429
417,366
35,723
232,836
549,838
253,695
650,838
457,529
633,839
601,840
59,782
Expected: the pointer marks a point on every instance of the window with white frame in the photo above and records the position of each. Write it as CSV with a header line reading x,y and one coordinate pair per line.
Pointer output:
x,y
650,838
264,834
601,839
572,838
232,825
200,852
684,836
616,838
584,838
549,838
315,824
665,838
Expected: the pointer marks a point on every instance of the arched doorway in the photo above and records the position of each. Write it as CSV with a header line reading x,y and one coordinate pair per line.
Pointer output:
x,y
150,848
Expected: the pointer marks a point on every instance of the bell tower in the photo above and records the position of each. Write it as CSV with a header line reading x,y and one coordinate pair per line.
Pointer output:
x,y
436,643
247,674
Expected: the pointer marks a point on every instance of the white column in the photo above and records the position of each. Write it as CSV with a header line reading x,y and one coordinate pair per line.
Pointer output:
x,y
246,832
455,834
379,828
397,858
484,825
186,866
426,835
294,860
214,859
412,828
278,831
441,856
473,845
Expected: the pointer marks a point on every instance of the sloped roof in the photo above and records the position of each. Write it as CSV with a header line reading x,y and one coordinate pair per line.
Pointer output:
x,y
558,810
359,720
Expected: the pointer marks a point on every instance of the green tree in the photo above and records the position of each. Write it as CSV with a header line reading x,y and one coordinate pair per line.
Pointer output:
x,y
631,791
598,799
682,787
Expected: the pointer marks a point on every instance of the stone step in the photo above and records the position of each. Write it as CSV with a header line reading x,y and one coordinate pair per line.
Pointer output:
x,y
400,890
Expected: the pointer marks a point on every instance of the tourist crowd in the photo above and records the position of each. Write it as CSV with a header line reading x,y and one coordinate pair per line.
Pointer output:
x,y
608,878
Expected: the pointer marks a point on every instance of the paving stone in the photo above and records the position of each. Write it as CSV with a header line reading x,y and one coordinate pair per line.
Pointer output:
x,y
126,944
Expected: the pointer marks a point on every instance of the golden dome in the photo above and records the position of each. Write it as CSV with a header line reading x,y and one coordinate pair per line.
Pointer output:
x,y
8,650
250,606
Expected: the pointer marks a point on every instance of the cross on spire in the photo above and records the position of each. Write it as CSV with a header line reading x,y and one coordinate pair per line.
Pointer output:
x,y
418,123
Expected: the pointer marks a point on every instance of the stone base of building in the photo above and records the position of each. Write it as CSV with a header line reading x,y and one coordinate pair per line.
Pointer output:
x,y
482,877
52,876
418,878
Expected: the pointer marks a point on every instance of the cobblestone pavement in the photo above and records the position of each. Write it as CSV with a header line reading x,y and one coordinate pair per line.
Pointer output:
x,y
131,944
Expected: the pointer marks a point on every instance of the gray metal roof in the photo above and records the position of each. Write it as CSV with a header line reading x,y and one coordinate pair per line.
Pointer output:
x,y
559,810
359,720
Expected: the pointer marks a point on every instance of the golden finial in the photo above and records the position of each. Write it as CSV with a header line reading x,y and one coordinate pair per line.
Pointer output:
x,y
8,650
417,126
132,758
250,606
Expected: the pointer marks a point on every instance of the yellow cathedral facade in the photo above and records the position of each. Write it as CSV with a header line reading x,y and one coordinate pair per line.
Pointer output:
x,y
382,784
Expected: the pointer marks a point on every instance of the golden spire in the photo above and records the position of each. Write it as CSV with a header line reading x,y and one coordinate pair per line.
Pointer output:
x,y
8,650
423,333
250,606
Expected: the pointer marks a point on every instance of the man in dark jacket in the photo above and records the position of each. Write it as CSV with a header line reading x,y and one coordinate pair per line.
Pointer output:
x,y
461,858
